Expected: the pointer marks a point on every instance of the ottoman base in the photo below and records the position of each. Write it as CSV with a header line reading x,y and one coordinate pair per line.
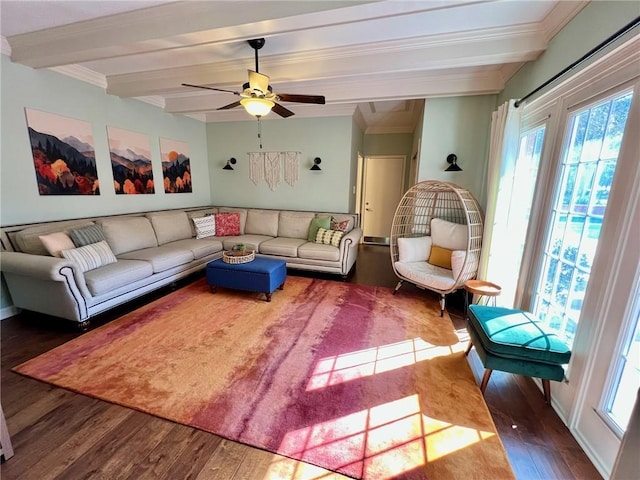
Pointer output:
x,y
260,275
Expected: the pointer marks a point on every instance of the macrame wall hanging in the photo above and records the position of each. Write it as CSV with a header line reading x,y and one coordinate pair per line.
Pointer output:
x,y
269,165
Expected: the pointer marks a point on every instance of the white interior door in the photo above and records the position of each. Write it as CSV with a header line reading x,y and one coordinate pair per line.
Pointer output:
x,y
382,191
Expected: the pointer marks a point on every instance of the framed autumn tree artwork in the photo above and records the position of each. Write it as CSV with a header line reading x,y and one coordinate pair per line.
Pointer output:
x,y
63,154
130,162
176,166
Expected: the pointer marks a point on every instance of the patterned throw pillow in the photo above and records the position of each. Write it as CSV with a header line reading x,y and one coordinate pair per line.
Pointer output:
x,y
205,226
329,237
56,242
227,224
342,225
87,235
91,256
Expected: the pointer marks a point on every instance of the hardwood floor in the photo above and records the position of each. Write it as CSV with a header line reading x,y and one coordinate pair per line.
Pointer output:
x,y
57,434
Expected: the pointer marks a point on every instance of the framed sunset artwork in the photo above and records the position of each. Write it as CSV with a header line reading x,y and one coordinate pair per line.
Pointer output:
x,y
176,166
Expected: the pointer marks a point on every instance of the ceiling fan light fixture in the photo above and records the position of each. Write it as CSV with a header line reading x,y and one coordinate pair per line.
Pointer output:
x,y
258,107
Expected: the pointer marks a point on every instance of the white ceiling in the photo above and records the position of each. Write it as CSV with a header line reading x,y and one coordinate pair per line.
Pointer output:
x,y
371,58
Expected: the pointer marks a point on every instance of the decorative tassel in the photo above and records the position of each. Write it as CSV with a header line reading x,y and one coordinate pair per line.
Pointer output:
x,y
291,167
256,167
272,169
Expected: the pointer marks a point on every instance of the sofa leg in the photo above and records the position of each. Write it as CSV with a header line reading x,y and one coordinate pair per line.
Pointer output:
x,y
395,290
485,379
546,386
442,305
84,325
469,347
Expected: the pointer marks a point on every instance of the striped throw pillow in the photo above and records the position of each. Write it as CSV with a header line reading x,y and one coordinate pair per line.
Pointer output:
x,y
87,235
329,237
91,256
205,226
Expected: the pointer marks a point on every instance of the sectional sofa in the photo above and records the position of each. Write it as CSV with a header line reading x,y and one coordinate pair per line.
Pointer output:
x,y
119,258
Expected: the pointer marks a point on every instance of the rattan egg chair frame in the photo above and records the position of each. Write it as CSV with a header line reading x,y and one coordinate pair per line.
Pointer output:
x,y
434,199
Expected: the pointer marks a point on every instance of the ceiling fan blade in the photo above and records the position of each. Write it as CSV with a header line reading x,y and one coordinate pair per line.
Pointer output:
x,y
258,81
210,88
282,111
231,105
286,97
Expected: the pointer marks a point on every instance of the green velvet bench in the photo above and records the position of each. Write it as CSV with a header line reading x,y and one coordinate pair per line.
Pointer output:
x,y
515,341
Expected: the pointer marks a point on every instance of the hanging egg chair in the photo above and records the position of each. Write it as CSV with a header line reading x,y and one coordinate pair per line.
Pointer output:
x,y
436,237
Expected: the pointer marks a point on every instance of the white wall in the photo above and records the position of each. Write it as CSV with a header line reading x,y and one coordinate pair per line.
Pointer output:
x,y
459,125
55,93
329,138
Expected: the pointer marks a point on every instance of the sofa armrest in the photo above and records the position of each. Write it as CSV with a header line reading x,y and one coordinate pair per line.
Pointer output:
x,y
349,249
51,285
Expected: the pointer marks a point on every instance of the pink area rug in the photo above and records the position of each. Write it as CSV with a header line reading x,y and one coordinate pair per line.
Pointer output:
x,y
346,377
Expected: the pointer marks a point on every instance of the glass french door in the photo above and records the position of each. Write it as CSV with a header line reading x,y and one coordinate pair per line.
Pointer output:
x,y
588,165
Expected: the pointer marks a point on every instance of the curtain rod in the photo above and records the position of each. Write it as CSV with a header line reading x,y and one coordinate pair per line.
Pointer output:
x,y
586,56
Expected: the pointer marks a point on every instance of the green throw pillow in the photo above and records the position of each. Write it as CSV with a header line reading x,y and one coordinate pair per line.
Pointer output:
x,y
316,223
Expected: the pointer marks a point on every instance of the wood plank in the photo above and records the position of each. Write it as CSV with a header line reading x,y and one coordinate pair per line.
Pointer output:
x,y
80,443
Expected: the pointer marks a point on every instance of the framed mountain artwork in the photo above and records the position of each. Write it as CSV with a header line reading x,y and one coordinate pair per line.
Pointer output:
x,y
176,166
63,154
130,162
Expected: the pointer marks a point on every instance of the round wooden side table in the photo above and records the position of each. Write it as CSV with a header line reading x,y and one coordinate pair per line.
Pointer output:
x,y
482,288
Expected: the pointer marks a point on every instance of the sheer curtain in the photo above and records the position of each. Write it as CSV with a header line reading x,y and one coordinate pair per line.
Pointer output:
x,y
495,264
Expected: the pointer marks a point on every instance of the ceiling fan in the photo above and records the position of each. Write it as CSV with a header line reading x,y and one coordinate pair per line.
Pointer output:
x,y
258,98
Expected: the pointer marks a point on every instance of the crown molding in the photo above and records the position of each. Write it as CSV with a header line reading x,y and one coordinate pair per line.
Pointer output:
x,y
155,100
5,48
82,73
561,14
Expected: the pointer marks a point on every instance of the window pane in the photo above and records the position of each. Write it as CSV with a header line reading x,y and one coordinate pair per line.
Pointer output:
x,y
588,167
627,381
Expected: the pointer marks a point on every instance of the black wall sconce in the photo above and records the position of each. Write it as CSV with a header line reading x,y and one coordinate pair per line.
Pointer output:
x,y
316,164
452,159
231,161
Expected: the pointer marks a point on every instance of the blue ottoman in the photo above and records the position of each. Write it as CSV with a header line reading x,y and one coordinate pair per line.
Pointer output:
x,y
515,341
260,275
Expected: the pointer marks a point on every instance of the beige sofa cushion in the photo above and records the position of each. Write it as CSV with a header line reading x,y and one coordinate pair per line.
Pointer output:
x,y
127,234
170,226
319,251
294,224
161,258
116,275
241,211
28,240
262,222
282,246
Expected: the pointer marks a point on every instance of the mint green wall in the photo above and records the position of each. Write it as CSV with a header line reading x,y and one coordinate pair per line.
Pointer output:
x,y
329,138
596,22
390,144
460,125
55,93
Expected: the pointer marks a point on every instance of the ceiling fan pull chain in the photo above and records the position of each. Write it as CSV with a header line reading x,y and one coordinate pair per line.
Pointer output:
x,y
260,133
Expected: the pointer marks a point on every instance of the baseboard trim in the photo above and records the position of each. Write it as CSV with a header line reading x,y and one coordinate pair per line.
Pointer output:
x,y
8,312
